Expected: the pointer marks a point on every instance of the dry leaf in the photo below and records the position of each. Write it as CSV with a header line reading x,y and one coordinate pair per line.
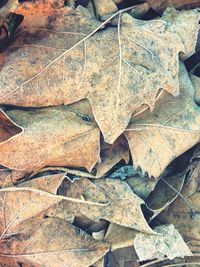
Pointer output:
x,y
112,154
119,236
50,242
156,138
170,243
47,183
116,79
122,206
57,136
104,7
10,177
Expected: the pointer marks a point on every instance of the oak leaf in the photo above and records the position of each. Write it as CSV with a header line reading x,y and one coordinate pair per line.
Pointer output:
x,y
50,242
60,67
156,138
121,205
57,136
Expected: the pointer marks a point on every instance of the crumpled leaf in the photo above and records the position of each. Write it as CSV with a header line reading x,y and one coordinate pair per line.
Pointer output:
x,y
57,136
116,79
50,242
119,236
164,193
47,183
170,243
156,138
112,154
122,206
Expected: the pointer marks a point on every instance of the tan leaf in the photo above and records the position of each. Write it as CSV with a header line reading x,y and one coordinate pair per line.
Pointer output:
x,y
20,204
56,136
156,138
118,203
169,243
119,236
50,242
47,183
112,154
104,7
10,177
116,79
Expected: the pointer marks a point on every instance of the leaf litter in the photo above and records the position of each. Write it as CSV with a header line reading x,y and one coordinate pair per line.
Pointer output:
x,y
99,134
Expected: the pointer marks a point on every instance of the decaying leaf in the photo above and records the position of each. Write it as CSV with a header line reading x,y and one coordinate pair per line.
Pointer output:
x,y
50,242
56,136
112,154
122,206
117,79
156,138
170,243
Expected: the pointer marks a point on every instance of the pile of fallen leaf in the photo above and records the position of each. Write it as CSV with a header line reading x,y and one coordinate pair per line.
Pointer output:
x,y
99,133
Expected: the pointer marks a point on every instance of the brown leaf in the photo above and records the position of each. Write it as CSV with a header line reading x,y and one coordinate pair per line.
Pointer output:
x,y
156,138
169,243
116,79
121,205
50,242
112,154
56,136
47,183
